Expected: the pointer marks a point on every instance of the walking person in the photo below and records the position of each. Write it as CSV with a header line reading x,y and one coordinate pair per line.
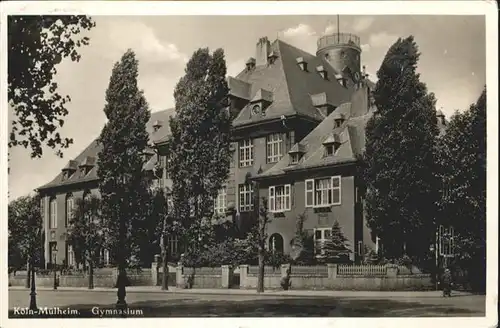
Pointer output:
x,y
446,281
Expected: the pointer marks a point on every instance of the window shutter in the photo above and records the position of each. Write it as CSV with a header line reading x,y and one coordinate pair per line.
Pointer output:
x,y
288,197
309,192
336,190
271,199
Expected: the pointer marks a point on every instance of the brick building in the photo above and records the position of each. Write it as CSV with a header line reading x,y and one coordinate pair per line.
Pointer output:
x,y
298,127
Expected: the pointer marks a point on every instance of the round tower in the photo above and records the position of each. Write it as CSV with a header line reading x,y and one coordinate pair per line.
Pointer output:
x,y
342,50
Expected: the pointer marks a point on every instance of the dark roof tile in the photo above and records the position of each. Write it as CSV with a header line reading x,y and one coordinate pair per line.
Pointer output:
x,y
93,150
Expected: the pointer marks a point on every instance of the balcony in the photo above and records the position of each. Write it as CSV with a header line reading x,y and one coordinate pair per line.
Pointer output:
x,y
338,39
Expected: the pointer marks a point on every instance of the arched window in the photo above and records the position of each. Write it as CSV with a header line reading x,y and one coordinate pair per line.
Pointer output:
x,y
276,243
69,209
53,213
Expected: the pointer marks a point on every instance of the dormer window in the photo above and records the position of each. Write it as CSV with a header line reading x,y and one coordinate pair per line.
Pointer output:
x,y
332,144
339,120
272,57
302,63
340,79
86,165
157,125
69,169
440,117
322,72
296,153
250,64
260,102
256,109
329,150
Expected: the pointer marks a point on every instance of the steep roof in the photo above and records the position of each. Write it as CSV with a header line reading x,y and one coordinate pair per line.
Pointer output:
x,y
90,153
290,86
351,133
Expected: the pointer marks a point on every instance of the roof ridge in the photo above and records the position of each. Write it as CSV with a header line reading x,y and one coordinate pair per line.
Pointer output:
x,y
286,79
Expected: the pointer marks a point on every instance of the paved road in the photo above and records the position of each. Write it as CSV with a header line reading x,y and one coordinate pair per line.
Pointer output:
x,y
180,305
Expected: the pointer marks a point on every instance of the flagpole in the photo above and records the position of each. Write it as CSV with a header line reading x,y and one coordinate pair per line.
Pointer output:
x,y
338,28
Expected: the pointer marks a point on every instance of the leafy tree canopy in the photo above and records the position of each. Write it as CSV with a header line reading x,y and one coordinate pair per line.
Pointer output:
x,y
25,229
36,45
123,185
399,159
200,140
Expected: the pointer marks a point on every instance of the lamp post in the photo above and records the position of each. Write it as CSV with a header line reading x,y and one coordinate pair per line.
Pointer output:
x,y
121,303
33,287
54,253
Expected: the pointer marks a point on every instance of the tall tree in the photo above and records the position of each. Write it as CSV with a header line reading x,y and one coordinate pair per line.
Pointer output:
x,y
122,184
263,221
200,141
36,45
86,232
25,232
400,163
462,164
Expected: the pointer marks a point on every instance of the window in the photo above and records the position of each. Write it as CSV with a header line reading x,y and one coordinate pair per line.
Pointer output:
x,y
280,198
323,192
71,256
170,202
360,248
329,150
53,214
220,201
321,236
295,158
274,147
52,252
105,257
246,198
173,245
246,152
69,209
276,243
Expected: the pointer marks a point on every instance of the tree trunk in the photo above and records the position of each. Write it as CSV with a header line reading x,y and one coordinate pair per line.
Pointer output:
x,y
260,279
28,273
164,265
91,272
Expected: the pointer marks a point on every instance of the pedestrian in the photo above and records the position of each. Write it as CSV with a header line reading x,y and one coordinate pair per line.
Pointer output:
x,y
446,282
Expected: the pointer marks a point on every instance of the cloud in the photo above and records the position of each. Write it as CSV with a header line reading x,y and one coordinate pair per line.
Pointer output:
x,y
302,36
365,47
382,39
300,30
143,40
363,23
330,29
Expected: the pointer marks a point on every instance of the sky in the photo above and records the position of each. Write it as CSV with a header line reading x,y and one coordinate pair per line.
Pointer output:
x,y
452,64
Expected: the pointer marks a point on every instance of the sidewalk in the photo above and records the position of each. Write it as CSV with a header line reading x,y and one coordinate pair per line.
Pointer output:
x,y
269,292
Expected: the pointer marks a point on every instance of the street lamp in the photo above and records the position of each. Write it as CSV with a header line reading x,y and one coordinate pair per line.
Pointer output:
x,y
54,253
33,287
122,275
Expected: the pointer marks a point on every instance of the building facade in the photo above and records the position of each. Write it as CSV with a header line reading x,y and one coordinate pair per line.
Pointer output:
x,y
298,127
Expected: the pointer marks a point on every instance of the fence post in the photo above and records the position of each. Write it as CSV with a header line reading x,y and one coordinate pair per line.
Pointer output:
x,y
332,270
392,271
226,276
284,267
179,276
243,275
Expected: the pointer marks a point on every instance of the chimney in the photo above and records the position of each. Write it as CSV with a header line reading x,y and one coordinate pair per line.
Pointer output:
x,y
262,51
